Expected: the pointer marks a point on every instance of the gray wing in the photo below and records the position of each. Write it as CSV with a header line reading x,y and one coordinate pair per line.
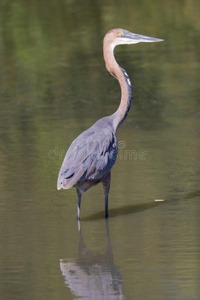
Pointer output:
x,y
90,156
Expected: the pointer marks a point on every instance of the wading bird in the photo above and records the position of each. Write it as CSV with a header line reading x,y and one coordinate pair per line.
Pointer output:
x,y
92,154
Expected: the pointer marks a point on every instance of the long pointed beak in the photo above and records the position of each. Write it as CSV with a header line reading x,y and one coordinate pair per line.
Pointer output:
x,y
138,38
127,38
134,38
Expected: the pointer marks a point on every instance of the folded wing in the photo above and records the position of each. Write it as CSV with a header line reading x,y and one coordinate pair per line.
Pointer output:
x,y
90,156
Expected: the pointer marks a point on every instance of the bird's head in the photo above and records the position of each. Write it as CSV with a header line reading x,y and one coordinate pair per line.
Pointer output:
x,y
120,36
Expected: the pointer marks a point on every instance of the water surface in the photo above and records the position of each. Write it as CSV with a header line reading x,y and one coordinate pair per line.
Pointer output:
x,y
54,85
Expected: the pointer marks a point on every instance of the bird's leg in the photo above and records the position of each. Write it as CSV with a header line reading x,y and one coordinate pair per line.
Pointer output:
x,y
106,188
79,204
79,208
106,206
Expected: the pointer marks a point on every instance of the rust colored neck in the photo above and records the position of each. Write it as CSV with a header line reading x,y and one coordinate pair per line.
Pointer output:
x,y
124,81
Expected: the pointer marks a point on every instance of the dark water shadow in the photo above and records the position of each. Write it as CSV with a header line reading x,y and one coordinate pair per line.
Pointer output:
x,y
192,194
130,209
123,210
92,275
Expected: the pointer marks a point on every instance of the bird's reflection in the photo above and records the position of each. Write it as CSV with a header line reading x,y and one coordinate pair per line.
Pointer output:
x,y
92,275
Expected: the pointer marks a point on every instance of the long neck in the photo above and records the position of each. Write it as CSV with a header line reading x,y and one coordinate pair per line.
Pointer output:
x,y
125,84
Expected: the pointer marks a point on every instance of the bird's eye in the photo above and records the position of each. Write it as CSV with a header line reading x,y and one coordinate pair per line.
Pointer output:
x,y
121,34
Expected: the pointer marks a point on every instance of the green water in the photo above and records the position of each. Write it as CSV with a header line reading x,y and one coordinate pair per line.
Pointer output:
x,y
54,85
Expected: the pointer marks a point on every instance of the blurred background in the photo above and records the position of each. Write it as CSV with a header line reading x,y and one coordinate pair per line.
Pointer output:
x,y
53,86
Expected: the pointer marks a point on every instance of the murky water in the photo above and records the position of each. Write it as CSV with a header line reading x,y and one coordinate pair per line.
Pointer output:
x,y
54,85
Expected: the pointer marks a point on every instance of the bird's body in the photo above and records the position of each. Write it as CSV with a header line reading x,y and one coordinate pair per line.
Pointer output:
x,y
90,157
92,154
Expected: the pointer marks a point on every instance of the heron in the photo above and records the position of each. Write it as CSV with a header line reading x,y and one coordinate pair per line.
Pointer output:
x,y
93,153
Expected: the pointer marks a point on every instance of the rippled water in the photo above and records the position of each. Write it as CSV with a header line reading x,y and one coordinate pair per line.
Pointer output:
x,y
54,85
